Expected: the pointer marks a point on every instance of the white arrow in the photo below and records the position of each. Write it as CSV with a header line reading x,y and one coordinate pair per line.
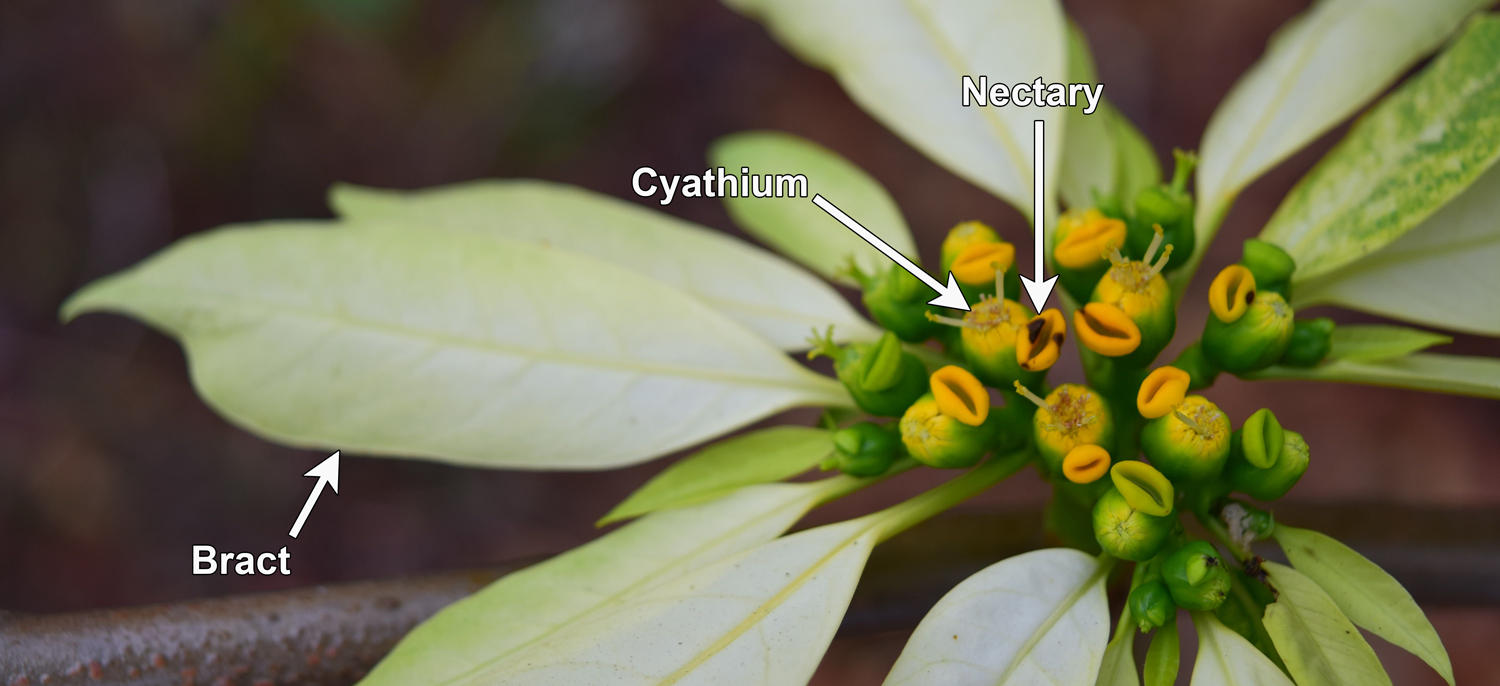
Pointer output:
x,y
950,296
327,472
1039,289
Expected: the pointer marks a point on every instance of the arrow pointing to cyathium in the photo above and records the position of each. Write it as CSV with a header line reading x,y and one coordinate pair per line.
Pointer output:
x,y
1039,289
949,296
327,472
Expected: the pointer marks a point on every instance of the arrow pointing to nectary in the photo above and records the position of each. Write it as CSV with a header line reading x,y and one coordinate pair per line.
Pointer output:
x,y
950,296
1039,289
327,472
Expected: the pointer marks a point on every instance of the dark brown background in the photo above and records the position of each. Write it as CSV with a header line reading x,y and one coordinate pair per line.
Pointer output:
x,y
129,123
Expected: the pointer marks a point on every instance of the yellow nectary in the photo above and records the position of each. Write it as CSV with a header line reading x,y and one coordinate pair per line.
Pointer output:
x,y
1084,464
959,395
1105,329
1231,293
1163,388
1039,345
976,264
962,236
1085,237
1144,487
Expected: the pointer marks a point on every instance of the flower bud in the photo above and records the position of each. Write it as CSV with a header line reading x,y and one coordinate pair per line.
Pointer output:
x,y
1145,488
1196,577
939,440
1038,347
865,449
1169,207
1261,439
1267,483
1084,464
1083,238
1128,533
1070,416
1271,265
1151,605
1312,339
882,378
1137,289
1106,330
961,236
959,395
1254,340
898,301
1189,444
1162,390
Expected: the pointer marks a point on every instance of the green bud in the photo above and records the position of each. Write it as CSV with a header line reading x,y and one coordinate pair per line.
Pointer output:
x,y
1151,605
1189,444
938,440
898,301
1267,483
1271,266
866,449
1256,340
1196,577
1127,533
882,378
1311,341
1260,438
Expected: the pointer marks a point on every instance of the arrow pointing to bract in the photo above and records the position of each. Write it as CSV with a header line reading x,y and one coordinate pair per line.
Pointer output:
x,y
950,296
1039,289
327,472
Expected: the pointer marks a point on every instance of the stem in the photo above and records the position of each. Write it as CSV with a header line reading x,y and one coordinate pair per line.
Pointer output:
x,y
1216,528
898,518
836,487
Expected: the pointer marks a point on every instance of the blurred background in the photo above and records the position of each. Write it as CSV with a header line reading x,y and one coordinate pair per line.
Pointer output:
x,y
127,124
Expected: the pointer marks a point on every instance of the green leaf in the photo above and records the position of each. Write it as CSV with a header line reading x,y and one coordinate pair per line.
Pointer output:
x,y
1041,617
450,346
1137,163
1226,659
1243,609
797,227
755,458
1456,374
903,61
1089,155
1164,657
1320,646
532,609
1319,68
1118,665
1370,342
758,289
1440,273
1367,595
1412,153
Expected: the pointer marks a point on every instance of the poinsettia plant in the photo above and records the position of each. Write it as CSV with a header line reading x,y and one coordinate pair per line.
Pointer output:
x,y
530,325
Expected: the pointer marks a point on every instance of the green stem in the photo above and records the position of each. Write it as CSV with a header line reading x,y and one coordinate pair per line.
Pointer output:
x,y
836,487
903,516
1221,533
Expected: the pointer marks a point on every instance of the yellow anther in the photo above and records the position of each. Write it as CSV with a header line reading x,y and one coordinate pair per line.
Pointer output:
x,y
1038,346
1231,293
959,395
1085,237
1163,388
1105,329
1085,464
1144,488
975,264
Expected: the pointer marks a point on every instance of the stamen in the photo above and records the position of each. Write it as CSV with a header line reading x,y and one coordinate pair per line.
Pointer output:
x,y
1155,243
1193,424
1026,392
950,321
1166,254
1113,253
999,281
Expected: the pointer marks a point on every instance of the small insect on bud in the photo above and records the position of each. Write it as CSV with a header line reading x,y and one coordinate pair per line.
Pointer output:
x,y
866,449
1271,482
1189,444
1246,523
1084,238
898,301
1038,347
1144,487
1248,331
1128,533
1070,416
1312,339
1106,330
1151,605
1272,266
882,378
1085,464
1196,577
1162,390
